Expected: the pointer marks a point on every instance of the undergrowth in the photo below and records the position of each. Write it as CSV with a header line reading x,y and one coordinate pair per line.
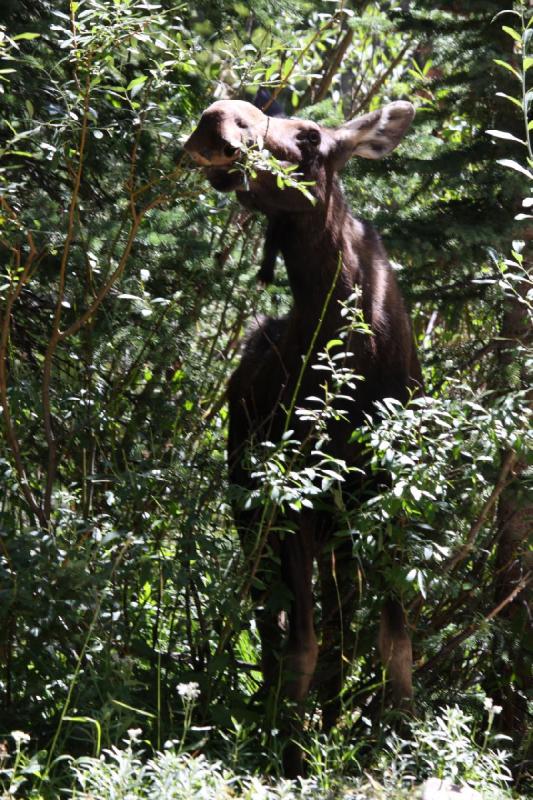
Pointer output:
x,y
447,747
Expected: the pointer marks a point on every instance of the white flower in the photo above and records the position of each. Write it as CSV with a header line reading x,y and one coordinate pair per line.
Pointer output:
x,y
189,691
135,734
145,274
20,737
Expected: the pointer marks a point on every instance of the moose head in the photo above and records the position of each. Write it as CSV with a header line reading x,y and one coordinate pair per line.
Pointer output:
x,y
228,128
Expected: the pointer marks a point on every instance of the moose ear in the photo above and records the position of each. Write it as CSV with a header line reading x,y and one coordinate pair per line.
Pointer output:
x,y
374,135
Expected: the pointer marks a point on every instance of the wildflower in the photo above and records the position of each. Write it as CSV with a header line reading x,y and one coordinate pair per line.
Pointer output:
x,y
189,691
20,737
135,734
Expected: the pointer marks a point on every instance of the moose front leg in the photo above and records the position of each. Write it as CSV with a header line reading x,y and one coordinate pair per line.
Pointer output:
x,y
301,651
340,596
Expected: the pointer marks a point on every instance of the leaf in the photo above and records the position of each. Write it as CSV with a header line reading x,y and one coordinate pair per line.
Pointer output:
x,y
508,162
333,343
287,68
511,99
506,11
527,202
523,216
28,36
509,67
415,491
527,63
505,135
135,85
514,34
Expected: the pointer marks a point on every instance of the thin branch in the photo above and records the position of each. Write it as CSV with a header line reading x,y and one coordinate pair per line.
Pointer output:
x,y
455,641
55,334
335,63
378,83
80,322
284,82
464,551
11,435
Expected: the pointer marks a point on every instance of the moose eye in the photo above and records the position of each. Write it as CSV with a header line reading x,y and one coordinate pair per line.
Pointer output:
x,y
229,150
313,137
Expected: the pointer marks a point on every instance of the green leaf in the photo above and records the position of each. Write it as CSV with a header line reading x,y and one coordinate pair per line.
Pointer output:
x,y
21,36
136,83
505,135
333,343
508,162
287,68
511,99
509,67
527,63
514,34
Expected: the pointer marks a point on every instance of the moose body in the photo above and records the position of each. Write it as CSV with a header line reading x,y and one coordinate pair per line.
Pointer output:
x,y
328,254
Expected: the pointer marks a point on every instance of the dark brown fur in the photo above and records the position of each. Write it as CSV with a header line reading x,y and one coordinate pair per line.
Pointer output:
x,y
312,239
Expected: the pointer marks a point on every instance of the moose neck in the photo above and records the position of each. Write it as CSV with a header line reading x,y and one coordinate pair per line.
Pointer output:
x,y
320,253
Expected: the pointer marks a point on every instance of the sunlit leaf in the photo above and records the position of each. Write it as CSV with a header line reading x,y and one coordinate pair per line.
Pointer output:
x,y
505,135
24,36
508,162
514,34
508,67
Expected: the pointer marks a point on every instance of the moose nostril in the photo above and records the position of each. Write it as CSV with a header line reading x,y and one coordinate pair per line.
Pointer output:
x,y
229,150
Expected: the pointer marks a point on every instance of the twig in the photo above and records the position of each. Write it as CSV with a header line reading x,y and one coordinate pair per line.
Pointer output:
x,y
378,83
4,399
474,626
336,61
55,334
283,83
463,552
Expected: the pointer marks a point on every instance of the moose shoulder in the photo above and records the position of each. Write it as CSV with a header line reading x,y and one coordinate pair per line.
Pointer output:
x,y
328,254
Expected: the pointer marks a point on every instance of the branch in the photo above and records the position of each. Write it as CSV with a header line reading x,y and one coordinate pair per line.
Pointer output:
x,y
463,552
4,399
55,334
335,62
378,83
470,629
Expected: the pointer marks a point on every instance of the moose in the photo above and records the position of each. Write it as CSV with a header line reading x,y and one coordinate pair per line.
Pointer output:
x,y
328,255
